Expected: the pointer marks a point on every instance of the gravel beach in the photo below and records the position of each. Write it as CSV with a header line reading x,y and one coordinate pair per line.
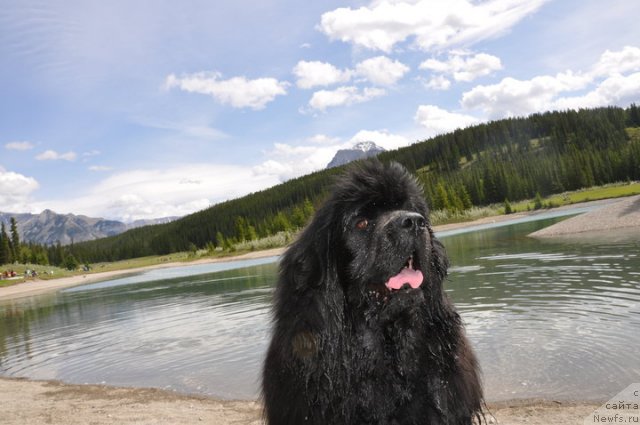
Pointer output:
x,y
619,215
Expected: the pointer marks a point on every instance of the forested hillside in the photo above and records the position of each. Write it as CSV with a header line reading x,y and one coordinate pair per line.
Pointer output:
x,y
507,159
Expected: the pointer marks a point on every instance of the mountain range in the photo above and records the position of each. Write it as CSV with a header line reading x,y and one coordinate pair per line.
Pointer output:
x,y
49,227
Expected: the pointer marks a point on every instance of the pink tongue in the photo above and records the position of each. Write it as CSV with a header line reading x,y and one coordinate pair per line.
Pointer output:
x,y
407,275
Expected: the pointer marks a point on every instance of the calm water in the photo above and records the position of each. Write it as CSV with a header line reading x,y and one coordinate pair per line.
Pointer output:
x,y
555,319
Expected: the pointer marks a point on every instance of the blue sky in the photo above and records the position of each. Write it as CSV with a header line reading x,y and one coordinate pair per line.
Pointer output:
x,y
143,109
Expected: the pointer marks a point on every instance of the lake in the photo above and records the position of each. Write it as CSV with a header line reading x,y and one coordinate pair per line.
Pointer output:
x,y
548,318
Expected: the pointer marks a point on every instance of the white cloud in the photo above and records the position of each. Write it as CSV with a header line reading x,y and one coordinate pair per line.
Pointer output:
x,y
19,146
315,74
51,155
238,92
464,66
162,192
432,24
439,121
511,97
349,95
15,191
381,70
628,59
602,84
438,82
615,90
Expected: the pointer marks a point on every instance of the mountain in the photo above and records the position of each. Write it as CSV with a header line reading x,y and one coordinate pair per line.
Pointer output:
x,y
359,151
49,227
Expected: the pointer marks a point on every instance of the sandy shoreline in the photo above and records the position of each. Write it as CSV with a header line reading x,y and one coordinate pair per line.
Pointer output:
x,y
50,402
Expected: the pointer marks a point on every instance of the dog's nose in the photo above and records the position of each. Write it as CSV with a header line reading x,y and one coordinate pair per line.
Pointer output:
x,y
412,221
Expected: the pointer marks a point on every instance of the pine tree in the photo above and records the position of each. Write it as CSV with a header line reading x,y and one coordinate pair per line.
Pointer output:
x,y
465,198
15,238
307,208
252,235
70,262
5,246
220,241
241,228
298,218
537,203
507,207
441,198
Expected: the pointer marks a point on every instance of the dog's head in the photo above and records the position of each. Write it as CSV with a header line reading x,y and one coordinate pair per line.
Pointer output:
x,y
372,238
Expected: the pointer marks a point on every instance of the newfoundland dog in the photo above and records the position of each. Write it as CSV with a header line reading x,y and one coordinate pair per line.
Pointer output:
x,y
363,331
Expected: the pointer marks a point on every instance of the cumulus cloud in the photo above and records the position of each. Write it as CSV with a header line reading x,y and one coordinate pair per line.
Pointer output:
x,y
315,74
438,121
617,89
627,59
239,92
161,192
605,83
51,155
432,24
348,95
464,66
15,191
512,97
381,70
19,146
438,82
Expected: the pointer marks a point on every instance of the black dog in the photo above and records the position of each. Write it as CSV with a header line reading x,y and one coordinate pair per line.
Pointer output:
x,y
363,330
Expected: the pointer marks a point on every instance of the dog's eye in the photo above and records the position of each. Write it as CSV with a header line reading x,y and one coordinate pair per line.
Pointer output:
x,y
362,224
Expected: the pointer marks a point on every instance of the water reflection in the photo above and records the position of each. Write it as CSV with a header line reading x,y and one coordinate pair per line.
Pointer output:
x,y
201,334
549,318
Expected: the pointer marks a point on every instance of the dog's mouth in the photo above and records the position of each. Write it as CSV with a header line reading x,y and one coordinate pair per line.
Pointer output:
x,y
410,275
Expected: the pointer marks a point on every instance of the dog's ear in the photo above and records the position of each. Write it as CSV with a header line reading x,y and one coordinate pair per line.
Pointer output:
x,y
439,259
311,261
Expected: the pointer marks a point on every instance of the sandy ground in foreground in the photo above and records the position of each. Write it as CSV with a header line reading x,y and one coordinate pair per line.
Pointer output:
x,y
46,402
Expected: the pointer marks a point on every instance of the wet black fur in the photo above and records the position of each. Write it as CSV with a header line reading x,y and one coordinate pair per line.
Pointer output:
x,y
344,349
